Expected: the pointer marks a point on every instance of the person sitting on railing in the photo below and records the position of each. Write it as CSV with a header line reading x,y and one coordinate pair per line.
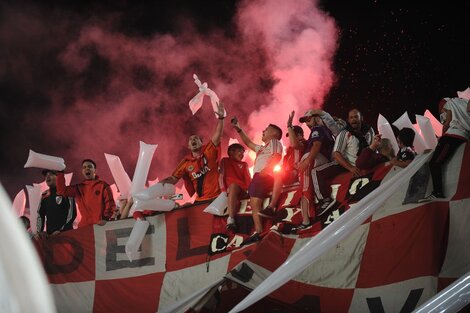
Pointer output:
x,y
456,130
267,156
348,145
199,169
406,154
334,124
380,151
289,173
317,152
234,178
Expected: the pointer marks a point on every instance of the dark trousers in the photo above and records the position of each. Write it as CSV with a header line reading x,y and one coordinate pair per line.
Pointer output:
x,y
446,147
321,176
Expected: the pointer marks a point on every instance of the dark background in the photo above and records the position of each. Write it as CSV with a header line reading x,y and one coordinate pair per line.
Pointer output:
x,y
391,57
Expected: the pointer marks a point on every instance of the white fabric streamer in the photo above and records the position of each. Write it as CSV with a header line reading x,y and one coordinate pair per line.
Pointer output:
x,y
160,205
196,102
464,94
218,206
34,196
19,203
68,178
427,132
142,168
386,131
157,190
39,160
404,121
436,125
123,182
135,239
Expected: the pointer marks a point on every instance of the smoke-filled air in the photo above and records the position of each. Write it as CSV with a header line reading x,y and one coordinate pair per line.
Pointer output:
x,y
102,90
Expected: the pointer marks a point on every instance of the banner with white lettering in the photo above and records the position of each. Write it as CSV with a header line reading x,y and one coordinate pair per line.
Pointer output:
x,y
393,262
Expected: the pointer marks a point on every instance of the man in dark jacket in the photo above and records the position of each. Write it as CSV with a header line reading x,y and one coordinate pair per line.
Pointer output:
x,y
56,212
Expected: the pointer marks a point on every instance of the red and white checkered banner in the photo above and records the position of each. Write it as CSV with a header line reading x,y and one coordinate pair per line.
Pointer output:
x,y
394,261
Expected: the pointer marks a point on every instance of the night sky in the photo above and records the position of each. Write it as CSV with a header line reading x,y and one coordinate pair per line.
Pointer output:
x,y
83,78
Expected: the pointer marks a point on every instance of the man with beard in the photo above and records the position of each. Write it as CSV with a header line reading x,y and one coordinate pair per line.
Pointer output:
x,y
199,169
93,196
56,212
348,145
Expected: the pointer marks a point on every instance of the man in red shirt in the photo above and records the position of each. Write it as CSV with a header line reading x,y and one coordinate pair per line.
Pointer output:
x,y
93,196
199,169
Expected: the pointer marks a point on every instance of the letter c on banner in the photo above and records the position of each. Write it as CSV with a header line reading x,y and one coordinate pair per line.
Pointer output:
x,y
214,243
358,184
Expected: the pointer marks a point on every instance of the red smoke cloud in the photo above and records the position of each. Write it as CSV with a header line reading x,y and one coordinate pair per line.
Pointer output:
x,y
300,41
118,89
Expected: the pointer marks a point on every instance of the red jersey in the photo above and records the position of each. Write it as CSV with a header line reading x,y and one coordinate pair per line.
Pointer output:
x,y
233,171
93,196
293,156
200,173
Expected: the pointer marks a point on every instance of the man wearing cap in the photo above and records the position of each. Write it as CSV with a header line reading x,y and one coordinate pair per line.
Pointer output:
x,y
56,212
289,173
317,152
199,169
334,124
348,145
93,196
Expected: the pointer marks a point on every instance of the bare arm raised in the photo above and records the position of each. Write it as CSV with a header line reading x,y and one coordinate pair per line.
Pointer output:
x,y
220,124
294,141
244,137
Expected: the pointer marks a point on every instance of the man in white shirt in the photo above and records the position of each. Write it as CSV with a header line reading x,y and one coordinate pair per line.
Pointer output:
x,y
456,130
348,145
267,156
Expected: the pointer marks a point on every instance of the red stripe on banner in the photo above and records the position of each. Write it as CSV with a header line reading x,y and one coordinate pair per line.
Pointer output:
x,y
405,245
188,234
463,190
272,251
69,256
133,294
219,224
